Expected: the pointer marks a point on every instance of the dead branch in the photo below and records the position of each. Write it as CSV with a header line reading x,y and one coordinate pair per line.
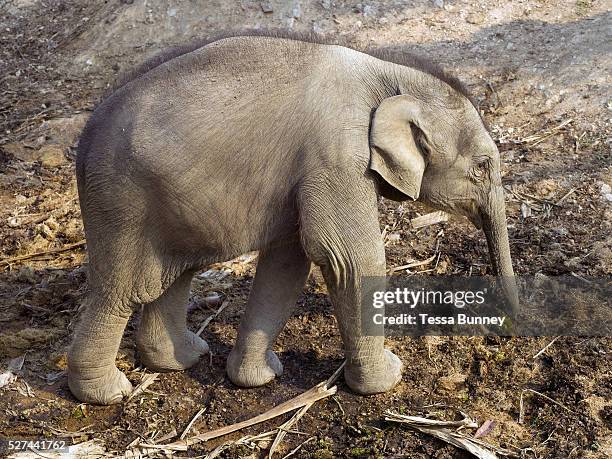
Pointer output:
x,y
8,261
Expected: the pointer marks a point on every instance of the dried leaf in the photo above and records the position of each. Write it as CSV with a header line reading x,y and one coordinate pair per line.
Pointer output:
x,y
485,428
439,429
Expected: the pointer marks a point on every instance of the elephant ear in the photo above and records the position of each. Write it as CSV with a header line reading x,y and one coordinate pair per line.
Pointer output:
x,y
394,153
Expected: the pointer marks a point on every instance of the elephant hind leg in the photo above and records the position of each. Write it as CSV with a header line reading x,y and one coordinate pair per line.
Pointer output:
x,y
280,277
119,284
92,374
164,343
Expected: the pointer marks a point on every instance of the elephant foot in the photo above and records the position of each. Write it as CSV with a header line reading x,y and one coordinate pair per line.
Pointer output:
x,y
171,355
108,389
375,378
252,372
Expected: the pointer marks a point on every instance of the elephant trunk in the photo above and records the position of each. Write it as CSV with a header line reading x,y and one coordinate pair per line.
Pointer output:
x,y
493,217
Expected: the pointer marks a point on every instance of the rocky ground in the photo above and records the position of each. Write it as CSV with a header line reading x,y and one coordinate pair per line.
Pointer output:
x,y
540,72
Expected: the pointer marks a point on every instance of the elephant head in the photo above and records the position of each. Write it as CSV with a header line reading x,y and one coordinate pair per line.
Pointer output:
x,y
432,146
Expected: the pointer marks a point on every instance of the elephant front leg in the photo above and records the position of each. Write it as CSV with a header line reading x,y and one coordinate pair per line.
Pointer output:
x,y
164,342
280,277
342,236
370,368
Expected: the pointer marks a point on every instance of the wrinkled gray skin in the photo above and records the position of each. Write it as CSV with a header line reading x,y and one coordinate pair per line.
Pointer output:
x,y
282,146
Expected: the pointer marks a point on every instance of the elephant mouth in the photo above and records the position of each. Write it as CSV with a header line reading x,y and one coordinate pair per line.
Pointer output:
x,y
477,221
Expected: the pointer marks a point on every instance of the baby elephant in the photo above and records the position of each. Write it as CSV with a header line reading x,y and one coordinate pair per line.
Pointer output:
x,y
275,144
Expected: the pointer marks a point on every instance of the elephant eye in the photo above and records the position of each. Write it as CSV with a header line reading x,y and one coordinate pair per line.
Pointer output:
x,y
480,169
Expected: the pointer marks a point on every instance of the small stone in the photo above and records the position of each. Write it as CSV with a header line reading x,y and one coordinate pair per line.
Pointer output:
x,y
525,210
52,156
266,7
438,3
326,4
451,383
213,299
475,18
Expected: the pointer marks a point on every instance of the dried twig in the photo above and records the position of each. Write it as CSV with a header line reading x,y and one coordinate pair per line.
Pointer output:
x,y
565,196
427,422
248,440
211,317
294,451
429,219
316,393
522,405
284,428
440,430
578,276
333,378
197,415
414,264
66,433
166,437
522,196
546,347
138,450
539,138
147,380
8,261
320,391
169,447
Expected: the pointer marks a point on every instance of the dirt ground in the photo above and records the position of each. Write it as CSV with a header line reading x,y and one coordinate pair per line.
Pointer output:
x,y
540,72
